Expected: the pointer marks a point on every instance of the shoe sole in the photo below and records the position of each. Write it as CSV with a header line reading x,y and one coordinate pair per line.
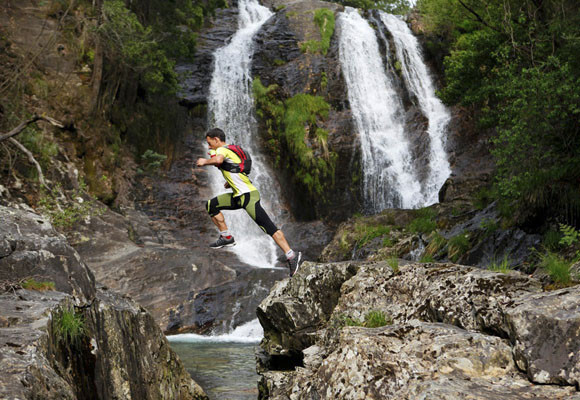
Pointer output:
x,y
299,264
225,245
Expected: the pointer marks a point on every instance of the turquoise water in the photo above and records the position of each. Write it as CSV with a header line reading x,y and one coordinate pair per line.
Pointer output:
x,y
226,371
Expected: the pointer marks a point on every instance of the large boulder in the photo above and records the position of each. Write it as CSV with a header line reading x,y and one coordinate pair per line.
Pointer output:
x,y
448,330
31,248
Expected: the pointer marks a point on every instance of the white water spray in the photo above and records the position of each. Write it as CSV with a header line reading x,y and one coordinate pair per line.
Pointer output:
x,y
419,83
250,332
389,176
230,108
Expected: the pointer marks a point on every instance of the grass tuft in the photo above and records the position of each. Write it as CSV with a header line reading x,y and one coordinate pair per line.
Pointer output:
x,y
33,284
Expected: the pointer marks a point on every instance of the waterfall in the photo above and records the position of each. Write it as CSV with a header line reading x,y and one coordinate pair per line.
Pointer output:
x,y
230,107
389,178
419,83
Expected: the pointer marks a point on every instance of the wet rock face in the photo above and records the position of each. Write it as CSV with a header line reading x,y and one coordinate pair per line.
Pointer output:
x,y
196,76
279,60
451,331
31,248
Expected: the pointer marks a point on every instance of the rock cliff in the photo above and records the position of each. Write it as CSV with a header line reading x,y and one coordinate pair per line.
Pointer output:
x,y
444,330
64,337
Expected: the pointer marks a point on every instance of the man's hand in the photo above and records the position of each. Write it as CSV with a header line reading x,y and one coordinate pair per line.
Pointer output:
x,y
227,185
201,162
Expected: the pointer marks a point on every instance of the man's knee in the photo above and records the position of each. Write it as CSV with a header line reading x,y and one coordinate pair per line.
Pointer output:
x,y
211,207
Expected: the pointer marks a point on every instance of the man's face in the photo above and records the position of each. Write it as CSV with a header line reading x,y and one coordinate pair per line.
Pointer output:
x,y
213,143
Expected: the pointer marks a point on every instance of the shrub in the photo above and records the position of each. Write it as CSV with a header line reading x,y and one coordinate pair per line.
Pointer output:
x,y
570,235
152,160
458,245
294,124
426,258
63,213
324,19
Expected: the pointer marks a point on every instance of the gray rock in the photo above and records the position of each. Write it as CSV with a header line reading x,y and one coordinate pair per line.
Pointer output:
x,y
458,333
33,249
121,353
544,328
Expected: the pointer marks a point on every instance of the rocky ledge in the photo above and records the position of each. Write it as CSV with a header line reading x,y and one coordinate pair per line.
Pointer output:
x,y
447,332
64,337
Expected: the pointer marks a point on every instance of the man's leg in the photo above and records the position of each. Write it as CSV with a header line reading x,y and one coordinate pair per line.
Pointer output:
x,y
280,240
251,203
214,206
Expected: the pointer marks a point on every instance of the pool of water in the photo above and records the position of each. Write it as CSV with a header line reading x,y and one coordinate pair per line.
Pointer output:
x,y
223,370
224,366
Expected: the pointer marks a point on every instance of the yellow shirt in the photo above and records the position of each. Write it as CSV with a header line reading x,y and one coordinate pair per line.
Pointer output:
x,y
240,183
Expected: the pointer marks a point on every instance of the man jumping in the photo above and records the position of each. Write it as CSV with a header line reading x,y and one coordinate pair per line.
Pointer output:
x,y
245,195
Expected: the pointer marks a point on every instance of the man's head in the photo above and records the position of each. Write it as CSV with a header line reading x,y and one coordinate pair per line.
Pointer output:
x,y
215,138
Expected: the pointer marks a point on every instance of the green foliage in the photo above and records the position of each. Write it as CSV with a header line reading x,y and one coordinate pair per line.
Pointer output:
x,y
425,221
323,80
372,319
516,66
152,160
426,258
69,326
393,262
483,198
391,6
502,266
62,213
294,124
135,47
324,19
365,233
436,243
376,319
457,246
33,284
43,148
557,267
570,235
489,225
551,240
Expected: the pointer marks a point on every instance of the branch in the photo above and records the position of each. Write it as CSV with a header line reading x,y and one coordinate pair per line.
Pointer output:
x,y
477,16
31,159
24,124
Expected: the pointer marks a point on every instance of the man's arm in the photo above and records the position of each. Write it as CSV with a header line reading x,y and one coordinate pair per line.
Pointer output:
x,y
217,160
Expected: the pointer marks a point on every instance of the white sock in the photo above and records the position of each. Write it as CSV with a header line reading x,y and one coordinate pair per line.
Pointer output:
x,y
290,255
225,233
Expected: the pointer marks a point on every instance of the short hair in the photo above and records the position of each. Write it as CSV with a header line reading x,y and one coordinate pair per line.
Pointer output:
x,y
216,133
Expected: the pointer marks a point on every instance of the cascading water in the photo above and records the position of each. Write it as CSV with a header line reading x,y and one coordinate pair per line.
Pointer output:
x,y
230,108
389,175
419,83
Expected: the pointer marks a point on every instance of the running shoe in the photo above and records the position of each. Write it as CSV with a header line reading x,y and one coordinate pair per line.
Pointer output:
x,y
223,242
294,263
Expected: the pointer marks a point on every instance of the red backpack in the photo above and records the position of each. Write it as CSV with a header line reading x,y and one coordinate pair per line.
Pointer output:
x,y
244,167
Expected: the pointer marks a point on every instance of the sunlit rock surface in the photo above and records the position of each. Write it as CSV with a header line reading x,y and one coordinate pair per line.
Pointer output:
x,y
452,332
